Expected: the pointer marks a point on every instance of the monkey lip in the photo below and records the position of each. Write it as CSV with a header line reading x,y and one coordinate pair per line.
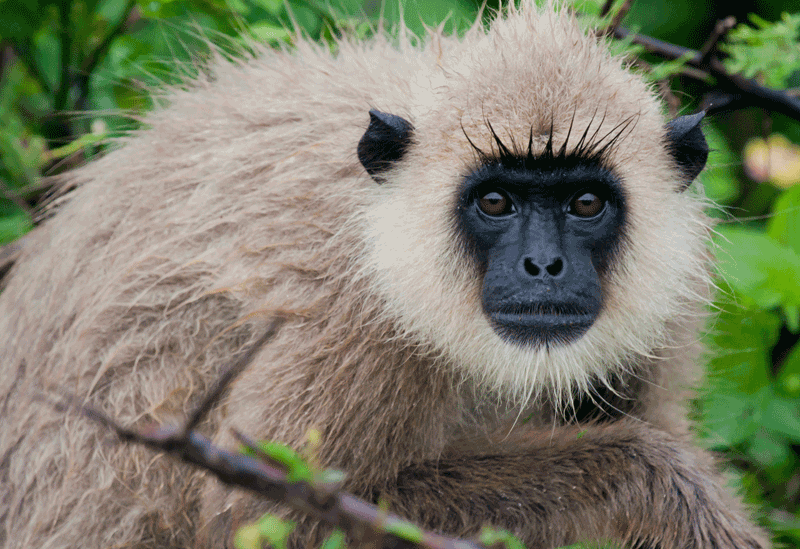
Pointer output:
x,y
543,325
543,320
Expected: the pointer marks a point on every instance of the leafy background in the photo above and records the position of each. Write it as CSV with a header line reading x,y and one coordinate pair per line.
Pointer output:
x,y
75,73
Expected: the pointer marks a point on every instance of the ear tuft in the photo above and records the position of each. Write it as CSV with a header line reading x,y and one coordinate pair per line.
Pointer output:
x,y
384,142
687,144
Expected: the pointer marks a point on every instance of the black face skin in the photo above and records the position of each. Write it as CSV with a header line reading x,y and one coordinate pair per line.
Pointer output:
x,y
541,236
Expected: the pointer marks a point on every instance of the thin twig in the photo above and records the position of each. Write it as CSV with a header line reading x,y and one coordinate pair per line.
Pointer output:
x,y
622,12
722,28
198,414
266,477
65,35
743,91
253,445
606,9
93,59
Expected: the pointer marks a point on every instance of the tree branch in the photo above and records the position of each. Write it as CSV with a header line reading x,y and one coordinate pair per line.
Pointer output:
x,y
98,53
266,478
734,91
722,28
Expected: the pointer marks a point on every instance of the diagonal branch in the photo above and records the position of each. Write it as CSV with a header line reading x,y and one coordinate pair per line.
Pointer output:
x,y
721,29
268,479
743,92
231,373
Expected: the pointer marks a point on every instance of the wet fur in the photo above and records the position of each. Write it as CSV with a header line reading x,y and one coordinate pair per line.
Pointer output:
x,y
244,199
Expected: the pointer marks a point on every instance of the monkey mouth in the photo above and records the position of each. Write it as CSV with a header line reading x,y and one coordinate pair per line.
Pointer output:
x,y
541,324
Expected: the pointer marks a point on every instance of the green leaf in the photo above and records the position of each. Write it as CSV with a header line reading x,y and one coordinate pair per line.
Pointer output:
x,y
665,69
791,313
491,536
728,418
741,340
14,226
789,375
404,530
297,468
769,451
419,13
782,416
767,50
19,19
47,56
248,537
334,541
268,32
275,7
785,523
21,156
759,267
275,531
784,224
721,179
73,147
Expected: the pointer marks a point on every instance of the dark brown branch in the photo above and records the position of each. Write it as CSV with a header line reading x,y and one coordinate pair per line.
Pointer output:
x,y
197,415
93,59
616,20
622,12
65,34
267,478
90,62
734,91
337,508
606,9
722,28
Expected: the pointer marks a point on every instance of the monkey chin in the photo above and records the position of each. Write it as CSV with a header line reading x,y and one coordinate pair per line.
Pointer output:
x,y
541,330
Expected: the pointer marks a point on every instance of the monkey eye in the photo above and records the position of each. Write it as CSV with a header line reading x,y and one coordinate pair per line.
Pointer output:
x,y
586,205
495,203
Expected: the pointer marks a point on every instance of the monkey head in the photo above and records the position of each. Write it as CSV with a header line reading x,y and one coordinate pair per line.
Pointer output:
x,y
538,240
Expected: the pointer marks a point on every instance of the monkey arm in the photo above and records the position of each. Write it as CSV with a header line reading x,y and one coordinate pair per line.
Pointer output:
x,y
624,482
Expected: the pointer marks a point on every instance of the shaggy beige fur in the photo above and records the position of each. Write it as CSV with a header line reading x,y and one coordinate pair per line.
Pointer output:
x,y
244,198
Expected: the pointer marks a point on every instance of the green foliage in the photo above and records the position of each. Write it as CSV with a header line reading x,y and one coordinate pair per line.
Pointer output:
x,y
721,179
750,407
500,539
766,50
296,466
666,69
334,541
273,533
104,57
268,531
404,530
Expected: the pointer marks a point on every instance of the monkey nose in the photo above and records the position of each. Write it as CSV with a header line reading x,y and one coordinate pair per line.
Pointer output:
x,y
544,269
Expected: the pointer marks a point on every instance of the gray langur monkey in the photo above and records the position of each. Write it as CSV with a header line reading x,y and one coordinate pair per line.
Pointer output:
x,y
493,276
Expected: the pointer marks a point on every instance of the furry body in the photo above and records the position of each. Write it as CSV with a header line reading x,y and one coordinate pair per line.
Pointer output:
x,y
244,199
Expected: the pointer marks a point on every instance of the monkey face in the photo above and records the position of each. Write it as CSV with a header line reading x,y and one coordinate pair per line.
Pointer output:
x,y
541,231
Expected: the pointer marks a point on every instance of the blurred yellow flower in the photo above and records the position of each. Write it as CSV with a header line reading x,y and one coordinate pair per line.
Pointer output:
x,y
775,159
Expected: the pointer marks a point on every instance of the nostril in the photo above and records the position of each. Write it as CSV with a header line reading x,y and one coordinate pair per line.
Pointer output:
x,y
532,268
555,268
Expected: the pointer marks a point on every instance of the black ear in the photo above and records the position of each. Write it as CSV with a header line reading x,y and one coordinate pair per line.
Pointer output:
x,y
687,144
384,142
